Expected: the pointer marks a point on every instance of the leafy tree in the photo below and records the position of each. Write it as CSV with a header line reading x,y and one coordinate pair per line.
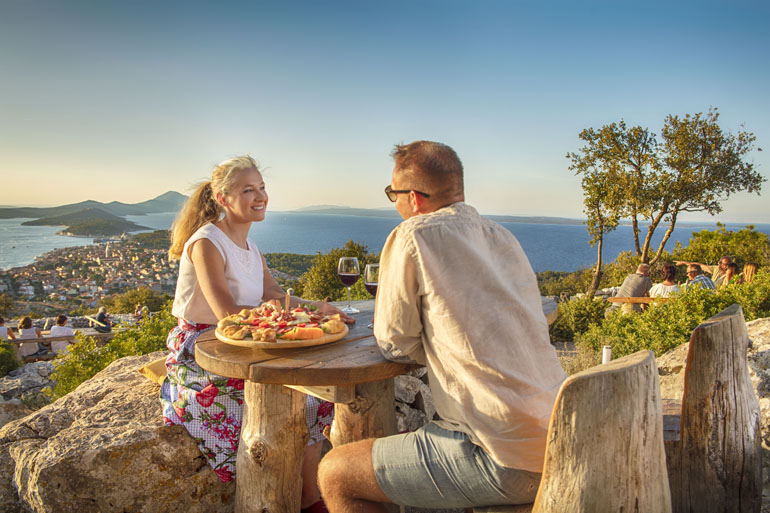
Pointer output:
x,y
602,201
321,280
743,246
694,168
127,301
6,304
159,239
290,263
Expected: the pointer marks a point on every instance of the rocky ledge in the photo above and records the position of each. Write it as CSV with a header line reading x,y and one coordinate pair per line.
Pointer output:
x,y
103,447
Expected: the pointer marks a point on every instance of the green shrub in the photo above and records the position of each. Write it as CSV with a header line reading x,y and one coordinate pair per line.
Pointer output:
x,y
664,326
743,246
8,360
127,301
84,358
321,280
577,316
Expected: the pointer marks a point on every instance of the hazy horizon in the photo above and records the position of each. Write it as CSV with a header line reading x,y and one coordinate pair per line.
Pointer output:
x,y
110,100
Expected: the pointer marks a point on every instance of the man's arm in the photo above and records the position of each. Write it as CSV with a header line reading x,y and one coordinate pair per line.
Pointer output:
x,y
397,324
704,267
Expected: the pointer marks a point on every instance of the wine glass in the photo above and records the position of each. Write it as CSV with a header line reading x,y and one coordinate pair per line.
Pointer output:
x,y
349,272
371,277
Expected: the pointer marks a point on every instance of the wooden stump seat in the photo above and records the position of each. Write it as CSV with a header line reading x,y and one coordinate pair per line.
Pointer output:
x,y
604,449
714,461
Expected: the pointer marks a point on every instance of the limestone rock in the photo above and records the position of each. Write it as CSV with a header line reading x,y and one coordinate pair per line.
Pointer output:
x,y
11,410
671,372
104,448
408,418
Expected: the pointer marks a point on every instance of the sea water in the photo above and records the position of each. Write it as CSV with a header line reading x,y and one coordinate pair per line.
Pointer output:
x,y
555,247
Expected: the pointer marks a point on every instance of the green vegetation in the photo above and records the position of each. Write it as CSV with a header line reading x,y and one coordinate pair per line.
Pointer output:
x,y
321,280
743,246
664,326
8,361
89,222
126,302
627,173
6,304
158,239
84,358
290,263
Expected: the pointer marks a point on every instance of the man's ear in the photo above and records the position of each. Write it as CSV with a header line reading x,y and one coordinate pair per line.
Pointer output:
x,y
417,202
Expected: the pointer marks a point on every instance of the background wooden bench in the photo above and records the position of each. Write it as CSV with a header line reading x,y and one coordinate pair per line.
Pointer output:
x,y
16,344
604,449
713,437
638,300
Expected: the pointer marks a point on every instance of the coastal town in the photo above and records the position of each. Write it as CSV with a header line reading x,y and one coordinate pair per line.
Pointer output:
x,y
82,275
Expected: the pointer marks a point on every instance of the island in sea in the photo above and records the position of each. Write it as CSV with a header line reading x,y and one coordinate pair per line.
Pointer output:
x,y
93,218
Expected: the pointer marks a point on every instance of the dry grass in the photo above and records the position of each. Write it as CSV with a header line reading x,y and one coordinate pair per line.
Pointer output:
x,y
577,359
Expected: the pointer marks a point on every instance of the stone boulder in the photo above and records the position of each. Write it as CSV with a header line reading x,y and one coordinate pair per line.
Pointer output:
x,y
414,401
27,384
104,448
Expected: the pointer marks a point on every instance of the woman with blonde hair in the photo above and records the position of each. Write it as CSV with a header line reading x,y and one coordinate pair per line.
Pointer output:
x,y
221,271
749,269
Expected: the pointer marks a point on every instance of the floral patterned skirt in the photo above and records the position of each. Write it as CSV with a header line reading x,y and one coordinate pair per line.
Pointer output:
x,y
211,406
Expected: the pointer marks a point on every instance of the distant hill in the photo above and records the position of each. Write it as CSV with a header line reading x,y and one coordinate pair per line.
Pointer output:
x,y
92,222
168,202
391,212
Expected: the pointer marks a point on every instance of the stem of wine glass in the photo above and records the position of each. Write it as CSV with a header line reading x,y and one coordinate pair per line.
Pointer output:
x,y
348,297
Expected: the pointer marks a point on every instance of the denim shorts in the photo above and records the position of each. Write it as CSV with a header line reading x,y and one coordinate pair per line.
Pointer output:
x,y
437,468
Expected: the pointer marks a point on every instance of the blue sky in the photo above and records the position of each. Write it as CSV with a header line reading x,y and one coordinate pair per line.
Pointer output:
x,y
126,100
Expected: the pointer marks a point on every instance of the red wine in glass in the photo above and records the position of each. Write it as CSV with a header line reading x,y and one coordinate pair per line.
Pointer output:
x,y
371,279
348,279
349,273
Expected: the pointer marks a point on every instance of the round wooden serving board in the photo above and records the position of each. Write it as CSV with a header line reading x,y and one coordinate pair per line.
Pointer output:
x,y
283,344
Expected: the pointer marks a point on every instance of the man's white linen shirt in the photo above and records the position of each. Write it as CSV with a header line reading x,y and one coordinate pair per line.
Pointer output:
x,y
457,294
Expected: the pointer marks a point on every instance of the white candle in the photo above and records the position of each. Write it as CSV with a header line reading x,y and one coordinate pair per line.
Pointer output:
x,y
606,354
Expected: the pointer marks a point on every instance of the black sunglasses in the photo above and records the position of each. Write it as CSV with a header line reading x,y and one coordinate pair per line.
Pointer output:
x,y
392,194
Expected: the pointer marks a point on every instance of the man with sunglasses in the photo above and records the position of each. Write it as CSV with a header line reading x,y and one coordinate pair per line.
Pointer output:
x,y
457,294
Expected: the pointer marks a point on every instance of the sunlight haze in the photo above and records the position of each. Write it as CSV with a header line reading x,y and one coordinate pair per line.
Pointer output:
x,y
127,100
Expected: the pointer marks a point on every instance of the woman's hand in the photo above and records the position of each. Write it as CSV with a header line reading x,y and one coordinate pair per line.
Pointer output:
x,y
325,308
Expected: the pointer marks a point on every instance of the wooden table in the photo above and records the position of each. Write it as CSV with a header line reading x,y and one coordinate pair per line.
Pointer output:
x,y
351,373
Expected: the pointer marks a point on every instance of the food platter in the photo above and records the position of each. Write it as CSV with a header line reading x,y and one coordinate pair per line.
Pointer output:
x,y
283,344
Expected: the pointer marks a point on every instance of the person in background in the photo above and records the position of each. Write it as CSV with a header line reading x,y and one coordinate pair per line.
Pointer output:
x,y
5,333
717,271
749,269
145,313
27,331
458,295
221,271
695,277
104,319
61,330
732,275
637,284
138,312
668,286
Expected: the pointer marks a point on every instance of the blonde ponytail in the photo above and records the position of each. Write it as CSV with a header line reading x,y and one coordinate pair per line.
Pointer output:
x,y
202,207
199,209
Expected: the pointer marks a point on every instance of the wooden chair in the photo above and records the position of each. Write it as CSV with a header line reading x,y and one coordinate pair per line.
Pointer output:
x,y
604,449
714,451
